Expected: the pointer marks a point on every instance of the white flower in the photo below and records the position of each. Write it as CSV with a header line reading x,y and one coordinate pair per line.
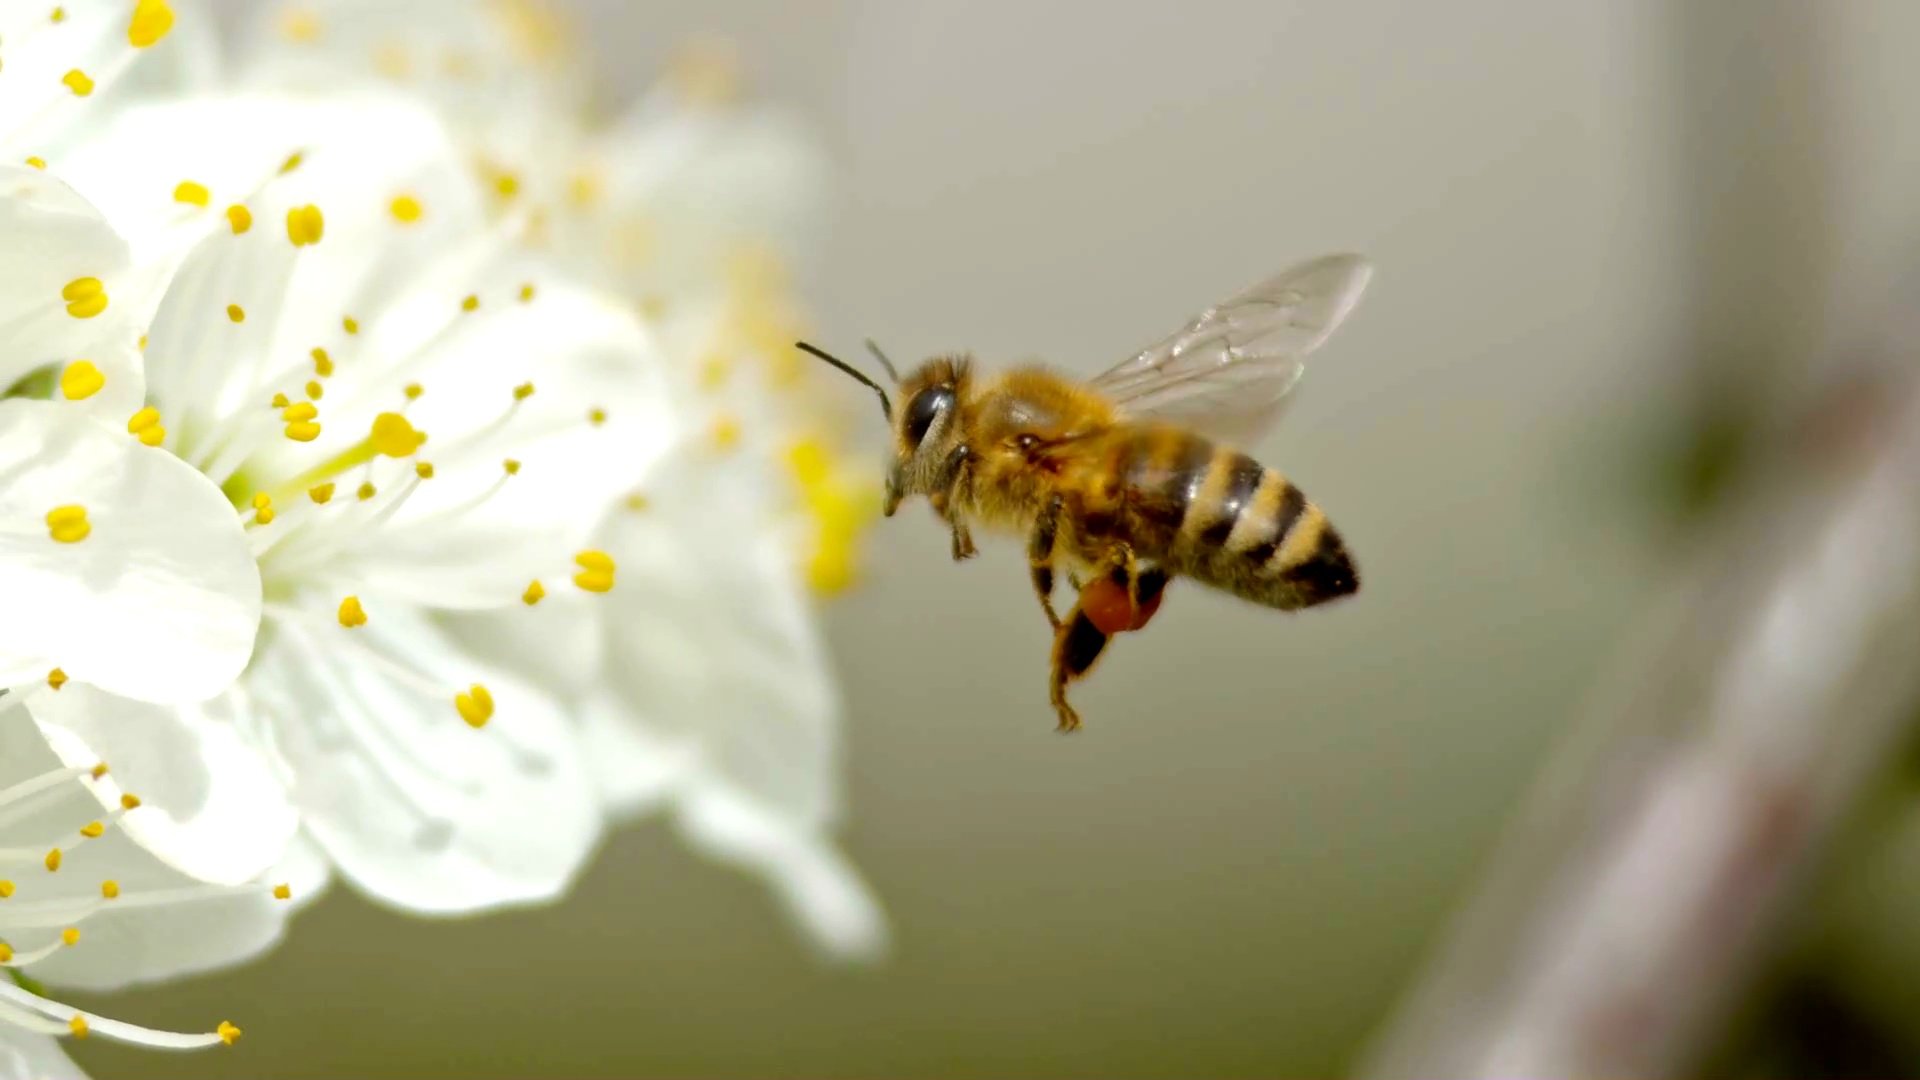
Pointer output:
x,y
351,354
93,890
717,698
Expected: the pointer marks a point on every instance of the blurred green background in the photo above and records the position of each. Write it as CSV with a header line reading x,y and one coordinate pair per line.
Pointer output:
x,y
1603,232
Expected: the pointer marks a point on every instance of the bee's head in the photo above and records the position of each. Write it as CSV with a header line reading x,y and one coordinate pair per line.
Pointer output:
x,y
924,428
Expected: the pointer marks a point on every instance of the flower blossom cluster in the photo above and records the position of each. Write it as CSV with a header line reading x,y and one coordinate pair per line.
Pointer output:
x,y
405,480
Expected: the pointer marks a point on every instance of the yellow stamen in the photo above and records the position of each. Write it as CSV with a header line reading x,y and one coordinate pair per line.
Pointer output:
x,y
59,15
99,770
283,892
85,297
37,162
423,469
351,613
637,502
320,493
6,953
281,401
228,1033
70,936
191,193
81,380
302,431
92,830
53,860
405,209
350,324
523,391
305,225
236,313
293,162
526,293
471,303
56,678
79,1026
366,491
512,465
145,425
535,593
78,82
475,706
6,889
239,218
596,571
314,390
110,890
322,363
726,433
299,410
300,25
151,21
394,436
68,524
413,390
596,416
129,801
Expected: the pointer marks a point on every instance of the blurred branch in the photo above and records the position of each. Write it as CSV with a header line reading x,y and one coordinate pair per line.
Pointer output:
x,y
1643,882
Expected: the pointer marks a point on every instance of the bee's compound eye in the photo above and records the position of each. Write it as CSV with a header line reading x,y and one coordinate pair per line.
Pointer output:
x,y
925,406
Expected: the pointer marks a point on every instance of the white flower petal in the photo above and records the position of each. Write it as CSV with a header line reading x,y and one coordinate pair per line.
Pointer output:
x,y
50,238
635,768
160,601
159,923
711,639
822,890
28,1056
211,804
411,804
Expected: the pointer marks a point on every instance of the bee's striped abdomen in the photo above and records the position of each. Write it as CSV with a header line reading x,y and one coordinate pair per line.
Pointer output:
x,y
1251,531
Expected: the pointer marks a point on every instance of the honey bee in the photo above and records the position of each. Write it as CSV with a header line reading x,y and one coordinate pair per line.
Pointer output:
x,y
1131,478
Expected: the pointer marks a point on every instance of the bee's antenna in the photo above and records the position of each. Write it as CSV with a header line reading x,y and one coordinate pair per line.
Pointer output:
x,y
884,362
886,406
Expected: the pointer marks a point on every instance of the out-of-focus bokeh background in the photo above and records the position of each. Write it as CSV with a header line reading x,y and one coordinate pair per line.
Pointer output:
x,y
1611,238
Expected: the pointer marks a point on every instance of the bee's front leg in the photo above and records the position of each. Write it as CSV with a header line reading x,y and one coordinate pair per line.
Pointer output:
x,y
1046,530
956,490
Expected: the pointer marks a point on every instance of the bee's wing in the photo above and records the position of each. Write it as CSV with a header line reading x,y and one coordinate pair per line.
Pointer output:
x,y
1226,372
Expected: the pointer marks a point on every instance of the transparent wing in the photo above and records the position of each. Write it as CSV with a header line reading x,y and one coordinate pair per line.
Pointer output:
x,y
1226,372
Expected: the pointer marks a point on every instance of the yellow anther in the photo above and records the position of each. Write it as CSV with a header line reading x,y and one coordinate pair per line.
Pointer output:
x,y
293,162
350,324
283,892
405,209
281,401
300,25
726,433
299,410
506,184
78,1025
236,313
423,469
637,502
70,936
512,465
302,431
322,363
143,343
239,218
59,15
714,371
413,391
52,860
596,571
110,890
37,162
6,953
596,416
351,613
92,830
78,82
365,491
305,225
535,593
6,889
151,21
314,390
523,391
394,435
262,500
228,1033
85,297
129,801
471,303
192,193
56,678
475,706
68,524
145,425
263,516
321,493
99,770
81,380
526,293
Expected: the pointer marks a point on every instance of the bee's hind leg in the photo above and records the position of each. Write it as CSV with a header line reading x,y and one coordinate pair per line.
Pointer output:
x,y
1040,547
1076,648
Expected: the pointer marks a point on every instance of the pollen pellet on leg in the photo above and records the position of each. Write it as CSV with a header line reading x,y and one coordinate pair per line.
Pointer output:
x,y
81,380
475,706
85,297
68,524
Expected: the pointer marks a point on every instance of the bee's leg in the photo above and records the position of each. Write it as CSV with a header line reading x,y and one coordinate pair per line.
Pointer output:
x,y
957,487
1040,557
1076,648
